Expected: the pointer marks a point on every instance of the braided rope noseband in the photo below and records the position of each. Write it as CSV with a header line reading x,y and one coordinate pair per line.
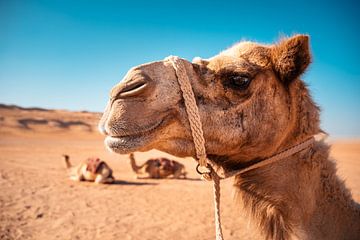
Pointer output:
x,y
199,141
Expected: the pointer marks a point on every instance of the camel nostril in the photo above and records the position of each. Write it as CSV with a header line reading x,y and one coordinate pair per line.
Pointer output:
x,y
132,86
132,89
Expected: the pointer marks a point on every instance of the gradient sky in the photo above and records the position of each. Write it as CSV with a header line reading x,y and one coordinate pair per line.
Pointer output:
x,y
68,54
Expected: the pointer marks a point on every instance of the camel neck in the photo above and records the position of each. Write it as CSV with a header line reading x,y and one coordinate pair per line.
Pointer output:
x,y
290,196
134,167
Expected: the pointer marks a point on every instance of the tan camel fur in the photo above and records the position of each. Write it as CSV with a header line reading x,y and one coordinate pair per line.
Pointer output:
x,y
252,104
92,169
158,168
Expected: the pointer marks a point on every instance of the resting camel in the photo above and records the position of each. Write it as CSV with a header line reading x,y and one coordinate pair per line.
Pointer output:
x,y
158,168
92,169
252,105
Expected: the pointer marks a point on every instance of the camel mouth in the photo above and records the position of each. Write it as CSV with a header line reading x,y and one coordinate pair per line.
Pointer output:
x,y
130,142
143,131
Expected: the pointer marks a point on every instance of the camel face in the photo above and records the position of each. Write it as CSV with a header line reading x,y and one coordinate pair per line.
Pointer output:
x,y
243,95
144,109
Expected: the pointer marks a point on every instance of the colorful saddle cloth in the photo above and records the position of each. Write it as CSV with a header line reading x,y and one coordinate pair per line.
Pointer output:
x,y
93,164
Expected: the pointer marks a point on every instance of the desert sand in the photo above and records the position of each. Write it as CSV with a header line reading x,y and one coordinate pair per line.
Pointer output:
x,y
38,201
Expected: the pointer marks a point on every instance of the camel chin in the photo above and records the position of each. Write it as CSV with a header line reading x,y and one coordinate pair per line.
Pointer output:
x,y
138,141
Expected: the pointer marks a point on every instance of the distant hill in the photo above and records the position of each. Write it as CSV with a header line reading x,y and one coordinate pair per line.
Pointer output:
x,y
15,107
20,120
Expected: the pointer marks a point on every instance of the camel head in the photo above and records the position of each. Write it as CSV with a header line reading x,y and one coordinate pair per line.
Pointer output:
x,y
250,98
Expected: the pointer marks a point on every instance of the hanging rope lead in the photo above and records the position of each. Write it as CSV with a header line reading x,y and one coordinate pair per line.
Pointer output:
x,y
198,136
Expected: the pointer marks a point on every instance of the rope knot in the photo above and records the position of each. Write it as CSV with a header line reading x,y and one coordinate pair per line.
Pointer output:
x,y
205,172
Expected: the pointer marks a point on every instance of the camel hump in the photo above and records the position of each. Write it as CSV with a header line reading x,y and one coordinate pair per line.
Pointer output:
x,y
167,164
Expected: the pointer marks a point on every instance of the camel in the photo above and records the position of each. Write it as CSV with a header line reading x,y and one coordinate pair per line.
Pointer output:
x,y
92,169
158,168
252,104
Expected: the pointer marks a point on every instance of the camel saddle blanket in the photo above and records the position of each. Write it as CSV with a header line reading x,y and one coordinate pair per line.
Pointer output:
x,y
93,164
166,164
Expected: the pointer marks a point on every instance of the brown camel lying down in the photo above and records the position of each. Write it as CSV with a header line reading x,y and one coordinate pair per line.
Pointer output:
x,y
252,104
158,168
92,169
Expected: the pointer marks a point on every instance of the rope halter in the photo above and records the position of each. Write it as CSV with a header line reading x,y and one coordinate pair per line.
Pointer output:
x,y
204,168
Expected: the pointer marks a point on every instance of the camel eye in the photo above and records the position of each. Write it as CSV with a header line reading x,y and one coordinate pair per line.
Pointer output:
x,y
240,82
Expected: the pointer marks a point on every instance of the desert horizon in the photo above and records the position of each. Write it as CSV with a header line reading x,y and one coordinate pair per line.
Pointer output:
x,y
39,201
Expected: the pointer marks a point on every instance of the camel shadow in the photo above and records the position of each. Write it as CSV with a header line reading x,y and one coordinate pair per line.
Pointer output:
x,y
122,182
160,179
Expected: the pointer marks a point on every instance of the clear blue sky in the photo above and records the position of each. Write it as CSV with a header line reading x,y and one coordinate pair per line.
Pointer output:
x,y
68,54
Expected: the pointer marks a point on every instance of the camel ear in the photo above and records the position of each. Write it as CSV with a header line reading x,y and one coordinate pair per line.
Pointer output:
x,y
291,57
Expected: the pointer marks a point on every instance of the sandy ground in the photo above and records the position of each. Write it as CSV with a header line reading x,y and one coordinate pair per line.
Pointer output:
x,y
37,201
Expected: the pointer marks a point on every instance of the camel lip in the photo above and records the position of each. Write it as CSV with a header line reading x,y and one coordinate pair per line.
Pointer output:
x,y
146,130
124,144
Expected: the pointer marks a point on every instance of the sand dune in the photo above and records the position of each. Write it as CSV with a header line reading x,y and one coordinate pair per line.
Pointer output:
x,y
37,201
21,121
